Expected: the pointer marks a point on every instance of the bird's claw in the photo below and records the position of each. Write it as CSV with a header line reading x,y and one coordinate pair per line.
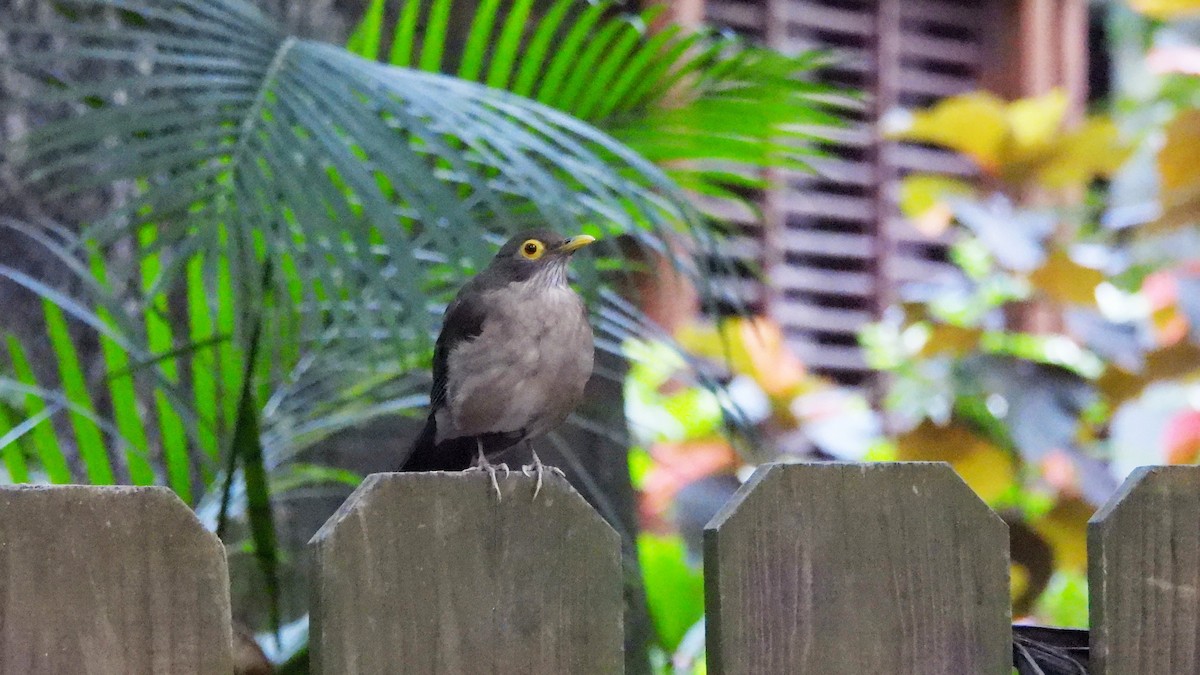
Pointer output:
x,y
538,469
481,464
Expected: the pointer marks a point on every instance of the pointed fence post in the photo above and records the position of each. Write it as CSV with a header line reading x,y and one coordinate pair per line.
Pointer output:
x,y
815,569
1144,575
428,573
110,581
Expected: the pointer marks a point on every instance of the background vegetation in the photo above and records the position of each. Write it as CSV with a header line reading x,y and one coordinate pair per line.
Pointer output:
x,y
274,224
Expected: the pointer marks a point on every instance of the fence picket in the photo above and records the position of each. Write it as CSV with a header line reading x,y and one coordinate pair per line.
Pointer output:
x,y
110,581
1144,575
427,573
857,568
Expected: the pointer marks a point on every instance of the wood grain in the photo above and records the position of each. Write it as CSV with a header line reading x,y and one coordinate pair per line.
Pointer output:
x,y
833,568
1144,575
427,573
110,581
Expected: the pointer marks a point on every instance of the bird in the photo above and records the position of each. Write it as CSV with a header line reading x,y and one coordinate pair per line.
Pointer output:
x,y
511,362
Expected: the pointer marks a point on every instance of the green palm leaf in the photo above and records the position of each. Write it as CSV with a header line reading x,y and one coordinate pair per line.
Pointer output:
x,y
297,148
367,190
668,94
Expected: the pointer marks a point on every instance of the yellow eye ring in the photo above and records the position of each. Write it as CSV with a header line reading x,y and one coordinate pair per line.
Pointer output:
x,y
532,249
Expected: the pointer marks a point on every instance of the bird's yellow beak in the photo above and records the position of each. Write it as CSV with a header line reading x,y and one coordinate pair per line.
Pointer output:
x,y
575,243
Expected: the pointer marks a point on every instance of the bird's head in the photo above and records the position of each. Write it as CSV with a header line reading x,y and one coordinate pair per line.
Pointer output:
x,y
540,255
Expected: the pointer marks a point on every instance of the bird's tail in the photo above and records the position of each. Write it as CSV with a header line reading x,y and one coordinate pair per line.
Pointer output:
x,y
453,454
423,450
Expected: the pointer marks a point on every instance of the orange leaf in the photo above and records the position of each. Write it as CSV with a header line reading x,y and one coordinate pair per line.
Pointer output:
x,y
1182,438
954,340
1067,281
1180,172
1177,160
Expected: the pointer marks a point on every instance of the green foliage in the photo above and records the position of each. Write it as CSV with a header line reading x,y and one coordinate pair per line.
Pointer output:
x,y
299,215
707,107
674,588
1016,364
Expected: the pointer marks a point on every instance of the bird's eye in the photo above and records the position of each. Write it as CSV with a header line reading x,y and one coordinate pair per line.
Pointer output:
x,y
533,249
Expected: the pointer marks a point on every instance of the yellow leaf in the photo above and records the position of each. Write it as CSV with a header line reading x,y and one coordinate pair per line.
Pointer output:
x,y
1067,281
1034,122
985,467
1179,173
1065,527
754,347
1166,9
1119,385
923,200
1177,160
1019,141
1172,362
947,339
1094,149
973,124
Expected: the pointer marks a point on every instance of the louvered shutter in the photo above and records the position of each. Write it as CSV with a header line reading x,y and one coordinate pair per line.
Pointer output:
x,y
833,246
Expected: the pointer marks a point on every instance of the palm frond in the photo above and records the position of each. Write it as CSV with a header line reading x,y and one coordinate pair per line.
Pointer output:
x,y
286,147
688,100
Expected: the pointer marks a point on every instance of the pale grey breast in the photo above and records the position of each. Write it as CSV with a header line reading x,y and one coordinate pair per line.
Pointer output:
x,y
527,368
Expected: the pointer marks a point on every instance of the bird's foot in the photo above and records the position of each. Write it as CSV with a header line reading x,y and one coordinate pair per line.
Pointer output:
x,y
538,469
491,470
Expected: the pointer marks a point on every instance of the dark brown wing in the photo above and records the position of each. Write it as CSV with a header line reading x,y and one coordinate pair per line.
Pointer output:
x,y
463,321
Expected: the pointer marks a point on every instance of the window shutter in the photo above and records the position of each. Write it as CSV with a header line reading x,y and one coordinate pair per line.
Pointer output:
x,y
833,246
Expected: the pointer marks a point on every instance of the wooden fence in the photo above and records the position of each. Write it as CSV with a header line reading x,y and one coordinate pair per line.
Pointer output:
x,y
810,569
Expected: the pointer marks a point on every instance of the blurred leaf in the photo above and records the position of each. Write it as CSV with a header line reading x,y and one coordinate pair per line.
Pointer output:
x,y
1065,527
14,451
1166,9
678,465
697,410
298,475
988,469
1032,560
974,124
674,590
89,442
1072,473
1093,149
1120,343
948,339
1119,385
51,454
1182,438
752,346
1176,160
1172,362
923,200
1013,235
1039,404
1189,303
1180,172
1066,281
1065,601
1035,121
1022,140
